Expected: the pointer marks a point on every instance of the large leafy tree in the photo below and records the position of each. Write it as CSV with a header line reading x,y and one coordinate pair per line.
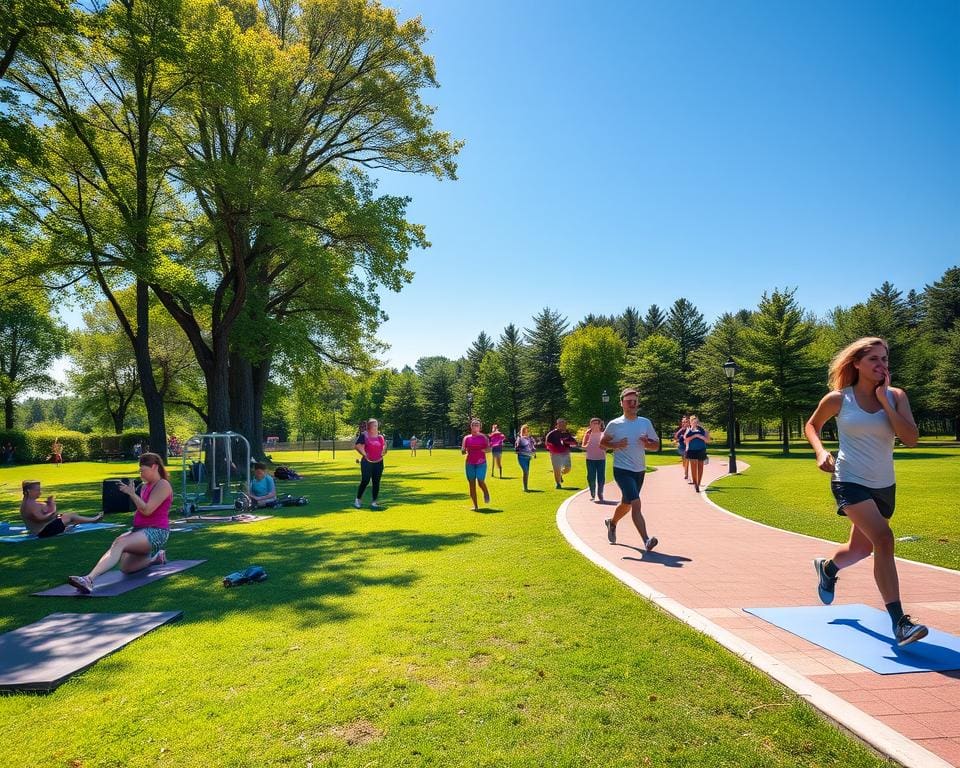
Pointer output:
x,y
591,363
653,368
30,340
492,393
785,377
545,393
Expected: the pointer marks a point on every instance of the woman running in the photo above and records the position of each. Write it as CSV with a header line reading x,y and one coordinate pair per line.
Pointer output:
x,y
475,446
679,437
869,414
696,439
143,544
526,448
372,447
496,448
596,459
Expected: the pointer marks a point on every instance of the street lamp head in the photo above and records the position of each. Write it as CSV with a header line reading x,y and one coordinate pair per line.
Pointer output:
x,y
730,369
605,398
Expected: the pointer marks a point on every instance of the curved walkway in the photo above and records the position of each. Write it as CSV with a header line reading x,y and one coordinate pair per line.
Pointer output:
x,y
697,574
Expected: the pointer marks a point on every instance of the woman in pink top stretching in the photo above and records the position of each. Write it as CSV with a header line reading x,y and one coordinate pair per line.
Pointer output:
x,y
475,446
143,544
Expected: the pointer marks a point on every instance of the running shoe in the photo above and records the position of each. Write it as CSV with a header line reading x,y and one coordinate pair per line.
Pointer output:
x,y
611,531
559,486
486,498
651,543
374,505
84,585
826,584
357,504
907,632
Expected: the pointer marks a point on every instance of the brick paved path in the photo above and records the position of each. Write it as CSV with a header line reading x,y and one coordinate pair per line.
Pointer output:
x,y
696,573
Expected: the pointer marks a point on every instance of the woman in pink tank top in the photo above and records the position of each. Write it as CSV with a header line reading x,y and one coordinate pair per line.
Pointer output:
x,y
143,545
475,446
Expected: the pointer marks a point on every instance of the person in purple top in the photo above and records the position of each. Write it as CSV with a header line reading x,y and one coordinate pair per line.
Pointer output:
x,y
143,544
475,447
496,448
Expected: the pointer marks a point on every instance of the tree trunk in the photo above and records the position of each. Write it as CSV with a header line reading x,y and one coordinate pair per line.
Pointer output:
x,y
785,432
261,377
218,385
8,412
956,427
152,399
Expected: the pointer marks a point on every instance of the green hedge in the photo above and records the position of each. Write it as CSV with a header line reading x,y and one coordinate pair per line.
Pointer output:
x,y
33,446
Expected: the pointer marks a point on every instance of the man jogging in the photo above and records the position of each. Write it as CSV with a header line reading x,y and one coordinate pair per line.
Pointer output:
x,y
629,436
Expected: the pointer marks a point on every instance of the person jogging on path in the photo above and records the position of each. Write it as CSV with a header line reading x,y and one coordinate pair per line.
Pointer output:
x,y
559,442
629,436
869,414
596,459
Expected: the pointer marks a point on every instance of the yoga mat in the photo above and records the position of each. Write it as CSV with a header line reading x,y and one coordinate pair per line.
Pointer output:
x,y
42,655
18,533
186,523
116,582
863,634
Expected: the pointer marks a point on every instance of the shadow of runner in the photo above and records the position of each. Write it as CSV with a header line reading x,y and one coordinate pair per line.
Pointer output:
x,y
659,558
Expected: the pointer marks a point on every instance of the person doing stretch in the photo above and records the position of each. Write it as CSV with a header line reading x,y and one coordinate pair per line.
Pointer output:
x,y
143,544
372,447
475,447
41,518
869,414
629,436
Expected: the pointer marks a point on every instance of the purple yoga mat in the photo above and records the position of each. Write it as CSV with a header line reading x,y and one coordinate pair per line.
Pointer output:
x,y
40,656
115,582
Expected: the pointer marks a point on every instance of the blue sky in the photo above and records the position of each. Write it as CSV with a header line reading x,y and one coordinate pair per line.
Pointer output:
x,y
624,154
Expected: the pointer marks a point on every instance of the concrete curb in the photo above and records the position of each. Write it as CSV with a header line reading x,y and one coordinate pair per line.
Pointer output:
x,y
881,737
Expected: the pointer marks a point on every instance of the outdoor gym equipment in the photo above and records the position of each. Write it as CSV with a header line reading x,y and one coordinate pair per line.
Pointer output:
x,y
216,471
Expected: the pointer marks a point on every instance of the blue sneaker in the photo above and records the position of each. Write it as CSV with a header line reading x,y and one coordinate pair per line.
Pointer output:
x,y
826,584
907,632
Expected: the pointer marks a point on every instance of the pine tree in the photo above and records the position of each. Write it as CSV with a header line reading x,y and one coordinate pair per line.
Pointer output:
x,y
545,395
511,356
685,325
630,327
653,321
941,302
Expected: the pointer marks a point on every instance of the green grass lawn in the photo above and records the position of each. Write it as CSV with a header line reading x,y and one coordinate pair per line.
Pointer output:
x,y
423,634
790,492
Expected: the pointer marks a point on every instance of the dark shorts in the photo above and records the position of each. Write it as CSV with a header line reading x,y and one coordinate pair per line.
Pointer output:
x,y
854,493
497,451
697,455
629,483
54,528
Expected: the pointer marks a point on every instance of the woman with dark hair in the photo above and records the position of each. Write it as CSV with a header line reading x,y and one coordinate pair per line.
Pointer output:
x,y
143,544
869,414
496,438
695,449
371,446
475,447
596,459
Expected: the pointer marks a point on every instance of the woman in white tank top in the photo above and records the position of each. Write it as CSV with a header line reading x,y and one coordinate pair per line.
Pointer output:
x,y
869,414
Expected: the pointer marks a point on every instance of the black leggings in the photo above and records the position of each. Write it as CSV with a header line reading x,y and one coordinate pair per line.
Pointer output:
x,y
370,470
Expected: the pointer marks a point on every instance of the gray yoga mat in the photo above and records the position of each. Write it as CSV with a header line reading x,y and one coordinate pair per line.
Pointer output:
x,y
17,533
42,655
115,582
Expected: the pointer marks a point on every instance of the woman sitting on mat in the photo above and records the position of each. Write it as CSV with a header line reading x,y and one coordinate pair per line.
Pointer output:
x,y
42,518
143,544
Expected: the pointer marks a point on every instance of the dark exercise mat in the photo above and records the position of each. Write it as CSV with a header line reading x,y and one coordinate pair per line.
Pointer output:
x,y
42,655
115,582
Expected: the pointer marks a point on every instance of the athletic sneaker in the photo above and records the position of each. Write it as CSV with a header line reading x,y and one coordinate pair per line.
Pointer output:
x,y
559,486
486,498
651,543
357,504
160,558
611,531
374,505
826,584
907,632
84,585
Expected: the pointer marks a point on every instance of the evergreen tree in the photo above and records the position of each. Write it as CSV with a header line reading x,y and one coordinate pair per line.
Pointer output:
x,y
511,355
685,325
653,321
785,376
545,394
724,342
475,355
401,407
492,393
653,368
630,327
941,302
945,385
437,378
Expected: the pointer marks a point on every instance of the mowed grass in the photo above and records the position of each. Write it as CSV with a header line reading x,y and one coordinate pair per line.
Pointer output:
x,y
422,634
790,492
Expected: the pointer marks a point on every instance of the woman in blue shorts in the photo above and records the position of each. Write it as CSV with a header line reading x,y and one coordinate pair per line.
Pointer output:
x,y
696,439
475,447
526,448
869,414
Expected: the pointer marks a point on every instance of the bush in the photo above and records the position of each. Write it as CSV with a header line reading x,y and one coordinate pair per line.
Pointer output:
x,y
101,445
18,439
37,446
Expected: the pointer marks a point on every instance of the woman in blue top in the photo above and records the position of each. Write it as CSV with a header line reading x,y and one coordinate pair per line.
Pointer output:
x,y
696,439
869,414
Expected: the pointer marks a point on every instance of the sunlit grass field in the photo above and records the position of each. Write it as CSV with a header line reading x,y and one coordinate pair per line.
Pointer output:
x,y
422,634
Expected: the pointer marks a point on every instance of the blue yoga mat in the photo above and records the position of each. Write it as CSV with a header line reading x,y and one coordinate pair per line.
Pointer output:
x,y
17,533
863,634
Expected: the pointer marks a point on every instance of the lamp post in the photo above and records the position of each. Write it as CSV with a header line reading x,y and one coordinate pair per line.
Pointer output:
x,y
730,370
605,398
470,406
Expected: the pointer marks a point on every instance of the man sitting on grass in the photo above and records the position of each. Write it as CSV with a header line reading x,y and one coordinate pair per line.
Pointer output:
x,y
263,491
42,519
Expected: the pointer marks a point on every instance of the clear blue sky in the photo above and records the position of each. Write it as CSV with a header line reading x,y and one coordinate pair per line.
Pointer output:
x,y
627,153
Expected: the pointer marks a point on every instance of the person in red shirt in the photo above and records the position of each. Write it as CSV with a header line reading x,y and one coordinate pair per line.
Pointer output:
x,y
559,442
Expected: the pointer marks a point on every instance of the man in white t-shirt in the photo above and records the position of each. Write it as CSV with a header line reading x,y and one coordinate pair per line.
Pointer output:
x,y
629,437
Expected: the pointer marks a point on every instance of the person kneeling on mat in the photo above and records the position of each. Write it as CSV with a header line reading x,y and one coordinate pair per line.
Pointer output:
x,y
143,545
262,490
42,518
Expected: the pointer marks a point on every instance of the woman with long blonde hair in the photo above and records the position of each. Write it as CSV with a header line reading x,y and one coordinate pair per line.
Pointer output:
x,y
870,414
